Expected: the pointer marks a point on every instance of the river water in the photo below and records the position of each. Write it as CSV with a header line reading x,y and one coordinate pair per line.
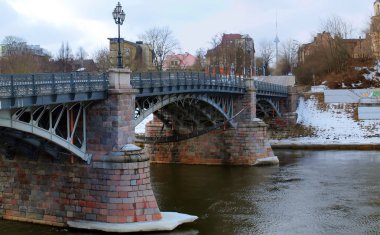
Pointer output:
x,y
311,192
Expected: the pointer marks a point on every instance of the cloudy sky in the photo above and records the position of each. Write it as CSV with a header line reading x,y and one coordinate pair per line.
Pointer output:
x,y
88,23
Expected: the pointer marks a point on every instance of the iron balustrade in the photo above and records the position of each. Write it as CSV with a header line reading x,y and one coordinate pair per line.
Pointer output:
x,y
270,89
176,82
22,85
148,84
172,82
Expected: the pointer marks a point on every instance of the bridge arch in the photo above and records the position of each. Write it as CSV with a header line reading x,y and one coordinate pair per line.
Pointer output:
x,y
146,106
61,124
267,106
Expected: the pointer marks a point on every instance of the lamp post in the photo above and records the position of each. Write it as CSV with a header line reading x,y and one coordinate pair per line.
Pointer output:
x,y
119,17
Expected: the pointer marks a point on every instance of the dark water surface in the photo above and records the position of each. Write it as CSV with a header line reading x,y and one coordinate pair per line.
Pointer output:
x,y
312,192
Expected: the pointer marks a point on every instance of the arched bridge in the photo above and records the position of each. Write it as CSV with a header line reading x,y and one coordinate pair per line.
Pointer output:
x,y
195,103
48,111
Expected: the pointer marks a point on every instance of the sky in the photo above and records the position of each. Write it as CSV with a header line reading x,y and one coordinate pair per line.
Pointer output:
x,y
88,23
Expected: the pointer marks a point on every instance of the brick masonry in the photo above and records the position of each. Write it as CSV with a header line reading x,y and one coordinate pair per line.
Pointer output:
x,y
240,146
110,123
47,192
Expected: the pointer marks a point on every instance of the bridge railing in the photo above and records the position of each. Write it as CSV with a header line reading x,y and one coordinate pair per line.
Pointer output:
x,y
20,85
164,79
270,88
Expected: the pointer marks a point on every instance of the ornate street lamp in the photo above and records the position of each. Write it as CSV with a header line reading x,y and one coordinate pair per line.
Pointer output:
x,y
119,17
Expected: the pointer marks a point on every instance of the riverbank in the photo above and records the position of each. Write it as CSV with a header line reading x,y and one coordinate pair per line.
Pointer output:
x,y
313,145
323,126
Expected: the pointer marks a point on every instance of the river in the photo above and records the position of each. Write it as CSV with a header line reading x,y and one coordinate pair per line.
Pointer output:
x,y
311,192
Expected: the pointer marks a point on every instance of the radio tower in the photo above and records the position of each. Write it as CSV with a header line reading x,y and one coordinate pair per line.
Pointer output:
x,y
277,41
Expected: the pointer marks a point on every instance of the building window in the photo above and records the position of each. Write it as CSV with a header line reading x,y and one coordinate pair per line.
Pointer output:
x,y
127,52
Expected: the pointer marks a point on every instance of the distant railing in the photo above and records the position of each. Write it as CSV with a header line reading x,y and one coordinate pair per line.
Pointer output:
x,y
21,85
164,79
270,88
147,82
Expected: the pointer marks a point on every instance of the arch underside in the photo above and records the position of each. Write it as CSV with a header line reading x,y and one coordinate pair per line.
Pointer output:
x,y
267,107
187,115
56,129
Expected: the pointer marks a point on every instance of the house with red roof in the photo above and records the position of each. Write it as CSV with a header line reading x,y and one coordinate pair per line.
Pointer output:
x,y
184,61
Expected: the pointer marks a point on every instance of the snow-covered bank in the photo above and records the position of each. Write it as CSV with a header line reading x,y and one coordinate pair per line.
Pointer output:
x,y
333,124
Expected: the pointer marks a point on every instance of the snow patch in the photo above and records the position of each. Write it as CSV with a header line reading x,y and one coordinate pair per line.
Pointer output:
x,y
335,124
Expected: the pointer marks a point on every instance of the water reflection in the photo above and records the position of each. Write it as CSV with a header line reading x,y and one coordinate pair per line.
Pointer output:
x,y
312,192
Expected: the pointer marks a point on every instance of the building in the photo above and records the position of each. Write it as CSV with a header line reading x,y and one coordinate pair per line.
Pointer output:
x,y
184,61
375,30
22,47
2,50
235,54
136,56
356,48
368,47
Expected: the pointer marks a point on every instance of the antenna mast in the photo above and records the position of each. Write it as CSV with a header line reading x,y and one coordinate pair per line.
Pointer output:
x,y
276,40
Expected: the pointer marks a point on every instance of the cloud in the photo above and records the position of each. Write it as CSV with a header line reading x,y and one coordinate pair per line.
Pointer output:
x,y
88,23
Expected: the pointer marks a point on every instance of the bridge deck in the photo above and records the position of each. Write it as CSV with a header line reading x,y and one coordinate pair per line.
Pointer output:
x,y
24,90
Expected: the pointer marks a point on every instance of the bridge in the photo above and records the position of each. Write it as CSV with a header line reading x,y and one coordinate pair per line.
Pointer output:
x,y
53,106
78,130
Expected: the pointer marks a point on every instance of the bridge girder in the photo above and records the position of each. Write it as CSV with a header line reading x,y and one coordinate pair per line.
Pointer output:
x,y
267,105
63,125
209,104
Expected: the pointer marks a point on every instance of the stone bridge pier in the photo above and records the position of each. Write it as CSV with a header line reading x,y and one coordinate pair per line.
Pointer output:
x,y
244,145
290,113
111,193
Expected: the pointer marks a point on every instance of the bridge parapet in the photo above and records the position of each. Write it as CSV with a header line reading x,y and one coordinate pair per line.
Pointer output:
x,y
158,83
270,89
24,90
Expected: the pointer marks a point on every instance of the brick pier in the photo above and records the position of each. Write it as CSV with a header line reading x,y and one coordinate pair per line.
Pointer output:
x,y
117,190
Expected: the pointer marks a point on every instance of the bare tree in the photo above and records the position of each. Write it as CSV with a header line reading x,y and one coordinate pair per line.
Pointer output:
x,y
81,55
162,42
231,53
288,58
216,40
337,27
65,57
266,52
214,55
201,60
18,57
14,45
102,59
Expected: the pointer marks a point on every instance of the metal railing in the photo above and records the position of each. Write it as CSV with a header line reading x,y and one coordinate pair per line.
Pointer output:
x,y
270,88
200,81
178,80
22,85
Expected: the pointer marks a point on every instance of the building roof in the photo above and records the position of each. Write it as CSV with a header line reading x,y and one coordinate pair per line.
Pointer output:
x,y
231,37
185,60
115,40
